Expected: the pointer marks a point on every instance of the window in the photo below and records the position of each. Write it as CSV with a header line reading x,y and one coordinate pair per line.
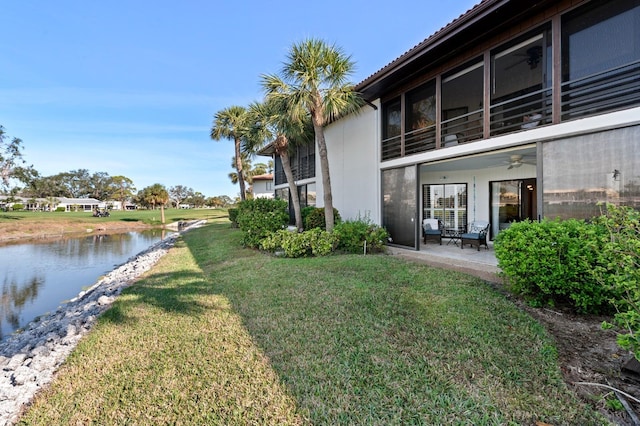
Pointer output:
x,y
303,164
447,203
600,58
521,83
462,95
391,130
421,119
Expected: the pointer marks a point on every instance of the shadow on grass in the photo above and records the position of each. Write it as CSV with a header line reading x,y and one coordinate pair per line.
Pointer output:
x,y
175,292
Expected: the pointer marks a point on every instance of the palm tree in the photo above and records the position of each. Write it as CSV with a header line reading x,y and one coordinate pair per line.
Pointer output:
x,y
314,78
157,194
274,123
231,123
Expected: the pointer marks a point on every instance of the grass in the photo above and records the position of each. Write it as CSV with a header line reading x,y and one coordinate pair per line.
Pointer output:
x,y
149,217
217,334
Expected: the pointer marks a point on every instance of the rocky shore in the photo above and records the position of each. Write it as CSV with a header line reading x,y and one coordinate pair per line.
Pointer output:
x,y
29,359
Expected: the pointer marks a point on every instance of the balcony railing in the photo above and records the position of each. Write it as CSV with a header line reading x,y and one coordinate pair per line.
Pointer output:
x,y
420,140
612,89
392,148
521,113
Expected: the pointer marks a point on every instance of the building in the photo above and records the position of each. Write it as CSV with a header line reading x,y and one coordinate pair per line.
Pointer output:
x,y
515,110
262,186
53,203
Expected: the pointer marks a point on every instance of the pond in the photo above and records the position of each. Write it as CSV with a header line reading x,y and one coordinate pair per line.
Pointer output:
x,y
36,278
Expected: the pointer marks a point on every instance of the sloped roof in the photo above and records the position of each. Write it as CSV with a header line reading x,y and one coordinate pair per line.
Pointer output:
x,y
267,176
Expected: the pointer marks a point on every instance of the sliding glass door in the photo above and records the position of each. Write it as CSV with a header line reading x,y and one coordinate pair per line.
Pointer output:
x,y
512,201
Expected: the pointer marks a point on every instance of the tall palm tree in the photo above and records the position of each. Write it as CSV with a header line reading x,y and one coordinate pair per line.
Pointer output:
x,y
314,78
231,123
274,123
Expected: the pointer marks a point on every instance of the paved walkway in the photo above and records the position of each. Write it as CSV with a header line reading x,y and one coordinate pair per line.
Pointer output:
x,y
482,264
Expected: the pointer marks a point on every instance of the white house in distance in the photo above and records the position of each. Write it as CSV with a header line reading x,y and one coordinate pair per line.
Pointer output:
x,y
262,186
514,110
53,203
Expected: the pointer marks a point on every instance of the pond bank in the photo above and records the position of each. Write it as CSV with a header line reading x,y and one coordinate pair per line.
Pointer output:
x,y
29,359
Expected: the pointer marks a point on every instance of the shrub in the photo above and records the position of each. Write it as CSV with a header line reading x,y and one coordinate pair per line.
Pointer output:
x,y
353,234
233,217
259,217
552,262
61,209
314,218
314,242
618,269
17,206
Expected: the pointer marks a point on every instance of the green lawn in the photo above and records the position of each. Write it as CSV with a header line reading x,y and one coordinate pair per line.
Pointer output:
x,y
151,217
217,334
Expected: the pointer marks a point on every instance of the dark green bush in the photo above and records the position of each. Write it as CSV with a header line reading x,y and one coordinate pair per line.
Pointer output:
x,y
233,217
552,262
314,242
314,218
619,270
353,234
260,217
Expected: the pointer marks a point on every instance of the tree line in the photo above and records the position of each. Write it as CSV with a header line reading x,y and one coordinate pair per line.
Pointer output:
x,y
19,180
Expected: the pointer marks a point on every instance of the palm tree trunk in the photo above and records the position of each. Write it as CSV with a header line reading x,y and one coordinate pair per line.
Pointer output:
x,y
162,213
243,195
326,178
293,189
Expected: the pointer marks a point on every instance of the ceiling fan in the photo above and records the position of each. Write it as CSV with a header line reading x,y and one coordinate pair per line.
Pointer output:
x,y
517,160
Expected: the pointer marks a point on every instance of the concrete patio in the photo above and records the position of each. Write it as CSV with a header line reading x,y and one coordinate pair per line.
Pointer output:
x,y
482,264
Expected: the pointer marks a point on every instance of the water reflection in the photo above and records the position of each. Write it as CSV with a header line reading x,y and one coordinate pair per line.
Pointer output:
x,y
37,277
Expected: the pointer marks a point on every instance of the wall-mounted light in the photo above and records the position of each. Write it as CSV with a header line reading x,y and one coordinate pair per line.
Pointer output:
x,y
616,175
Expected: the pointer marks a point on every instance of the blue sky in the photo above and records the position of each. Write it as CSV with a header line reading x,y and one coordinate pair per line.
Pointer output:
x,y
130,87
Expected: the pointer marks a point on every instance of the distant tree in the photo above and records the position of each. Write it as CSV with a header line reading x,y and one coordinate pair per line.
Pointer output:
x,y
100,186
197,199
10,158
314,79
179,193
155,195
123,189
231,123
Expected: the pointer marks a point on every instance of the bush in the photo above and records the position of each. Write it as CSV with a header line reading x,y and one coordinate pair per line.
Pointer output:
x,y
259,217
352,236
314,242
552,262
17,206
314,218
618,269
233,217
61,209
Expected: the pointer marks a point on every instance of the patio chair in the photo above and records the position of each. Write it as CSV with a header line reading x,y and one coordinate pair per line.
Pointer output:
x,y
477,235
432,230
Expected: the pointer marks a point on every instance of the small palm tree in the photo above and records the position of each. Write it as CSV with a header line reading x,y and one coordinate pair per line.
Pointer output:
x,y
231,123
157,194
274,123
314,80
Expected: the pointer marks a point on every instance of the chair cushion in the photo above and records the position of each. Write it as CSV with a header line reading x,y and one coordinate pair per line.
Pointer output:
x,y
470,236
426,226
432,232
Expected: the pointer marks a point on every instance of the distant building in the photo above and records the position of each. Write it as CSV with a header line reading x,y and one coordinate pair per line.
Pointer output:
x,y
263,186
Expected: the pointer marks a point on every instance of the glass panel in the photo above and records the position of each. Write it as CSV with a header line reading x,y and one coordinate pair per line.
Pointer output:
x,y
462,94
391,130
583,171
601,58
505,204
399,205
421,119
521,80
447,203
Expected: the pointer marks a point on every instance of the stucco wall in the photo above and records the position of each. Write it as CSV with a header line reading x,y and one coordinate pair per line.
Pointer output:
x,y
353,145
